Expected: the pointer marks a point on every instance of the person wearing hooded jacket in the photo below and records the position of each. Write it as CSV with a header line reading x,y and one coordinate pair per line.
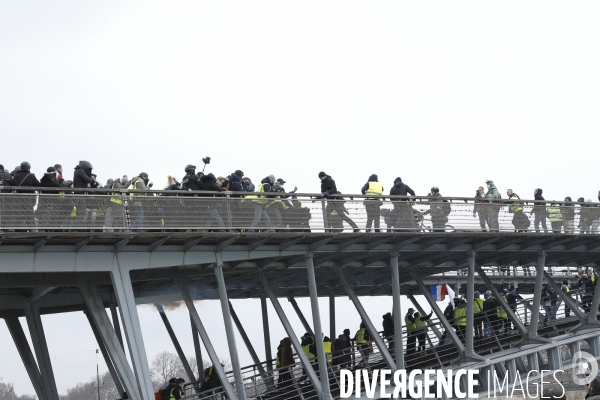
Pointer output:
x,y
22,211
439,209
494,207
286,358
402,207
388,329
260,202
47,207
539,209
210,184
83,209
567,210
373,190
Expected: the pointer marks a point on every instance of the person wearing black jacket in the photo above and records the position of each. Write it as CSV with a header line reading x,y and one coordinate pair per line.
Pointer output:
x,y
210,185
402,208
388,329
47,208
539,209
567,210
21,213
327,185
84,208
449,315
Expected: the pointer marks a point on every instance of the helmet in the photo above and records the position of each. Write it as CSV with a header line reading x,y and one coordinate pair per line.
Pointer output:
x,y
190,167
85,164
435,189
25,166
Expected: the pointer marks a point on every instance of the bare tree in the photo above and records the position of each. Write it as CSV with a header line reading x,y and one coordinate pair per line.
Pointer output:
x,y
7,393
89,390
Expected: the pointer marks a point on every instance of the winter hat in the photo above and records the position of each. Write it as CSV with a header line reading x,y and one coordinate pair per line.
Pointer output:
x,y
239,173
51,171
271,178
322,174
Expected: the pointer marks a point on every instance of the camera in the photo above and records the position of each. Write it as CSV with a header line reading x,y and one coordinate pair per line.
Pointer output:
x,y
206,160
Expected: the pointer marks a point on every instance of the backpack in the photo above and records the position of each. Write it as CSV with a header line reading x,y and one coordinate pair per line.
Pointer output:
x,y
158,395
446,207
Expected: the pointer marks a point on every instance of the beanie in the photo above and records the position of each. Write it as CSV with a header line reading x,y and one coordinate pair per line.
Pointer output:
x,y
322,174
239,173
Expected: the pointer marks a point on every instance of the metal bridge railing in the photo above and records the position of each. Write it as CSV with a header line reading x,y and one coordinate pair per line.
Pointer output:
x,y
292,381
127,211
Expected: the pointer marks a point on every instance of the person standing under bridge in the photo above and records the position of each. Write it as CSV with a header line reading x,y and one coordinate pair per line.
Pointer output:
x,y
478,316
362,340
421,331
411,339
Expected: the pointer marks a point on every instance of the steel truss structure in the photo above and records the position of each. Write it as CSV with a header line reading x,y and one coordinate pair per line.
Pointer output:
x,y
98,273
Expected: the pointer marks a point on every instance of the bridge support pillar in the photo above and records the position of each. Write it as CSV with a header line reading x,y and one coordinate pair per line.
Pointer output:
x,y
574,348
314,303
365,318
38,338
100,323
470,329
291,334
397,312
206,340
511,369
18,335
197,350
554,358
520,363
537,295
233,353
178,349
267,336
133,331
533,363
594,344
332,330
117,325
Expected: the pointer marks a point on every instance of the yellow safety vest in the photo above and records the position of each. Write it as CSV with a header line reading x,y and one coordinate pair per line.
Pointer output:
x,y
311,356
133,183
360,336
563,289
410,326
515,207
375,189
327,346
554,214
501,312
171,396
478,306
258,198
460,316
419,323
115,198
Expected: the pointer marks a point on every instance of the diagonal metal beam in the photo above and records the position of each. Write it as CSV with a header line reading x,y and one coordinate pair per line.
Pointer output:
x,y
178,349
252,246
188,246
365,318
378,243
39,293
18,335
158,243
226,243
316,245
206,340
81,245
348,243
565,297
290,243
305,323
290,332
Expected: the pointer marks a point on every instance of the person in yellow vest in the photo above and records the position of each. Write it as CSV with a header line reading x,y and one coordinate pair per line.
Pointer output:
x,y
478,316
362,340
260,203
520,220
373,190
411,339
211,381
308,347
460,317
421,330
136,209
565,288
555,217
328,349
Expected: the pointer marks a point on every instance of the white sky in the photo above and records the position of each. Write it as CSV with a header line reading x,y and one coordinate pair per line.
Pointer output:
x,y
439,93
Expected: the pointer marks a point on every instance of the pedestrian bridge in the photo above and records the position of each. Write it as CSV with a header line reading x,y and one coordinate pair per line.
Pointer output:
x,y
88,266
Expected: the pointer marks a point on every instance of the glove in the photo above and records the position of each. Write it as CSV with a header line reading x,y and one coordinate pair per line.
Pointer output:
x,y
324,194
150,184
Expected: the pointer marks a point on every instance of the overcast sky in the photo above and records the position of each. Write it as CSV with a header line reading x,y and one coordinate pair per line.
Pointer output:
x,y
438,93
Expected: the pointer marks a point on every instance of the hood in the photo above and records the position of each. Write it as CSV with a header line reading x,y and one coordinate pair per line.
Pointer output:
x,y
539,191
398,182
387,316
234,177
208,178
287,342
267,180
373,178
110,181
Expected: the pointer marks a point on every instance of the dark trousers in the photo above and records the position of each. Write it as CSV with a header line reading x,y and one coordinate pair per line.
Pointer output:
x,y
411,341
422,338
373,214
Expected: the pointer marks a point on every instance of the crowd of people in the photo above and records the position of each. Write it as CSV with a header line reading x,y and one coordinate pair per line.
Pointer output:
x,y
256,210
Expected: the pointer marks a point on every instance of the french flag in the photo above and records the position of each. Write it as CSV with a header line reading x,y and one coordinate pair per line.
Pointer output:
x,y
438,292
